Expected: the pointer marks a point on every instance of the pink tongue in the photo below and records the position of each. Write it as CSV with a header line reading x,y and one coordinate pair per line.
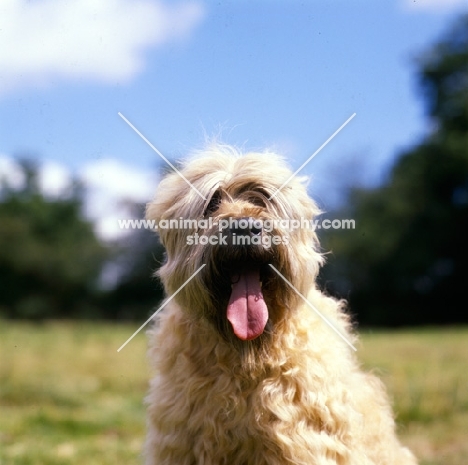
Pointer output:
x,y
247,310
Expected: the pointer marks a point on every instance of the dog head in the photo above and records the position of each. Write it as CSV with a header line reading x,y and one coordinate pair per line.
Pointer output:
x,y
242,218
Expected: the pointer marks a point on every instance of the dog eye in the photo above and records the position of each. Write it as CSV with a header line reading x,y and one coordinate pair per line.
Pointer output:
x,y
213,204
257,201
259,198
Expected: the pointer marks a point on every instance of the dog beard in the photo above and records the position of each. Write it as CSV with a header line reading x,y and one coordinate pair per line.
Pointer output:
x,y
244,289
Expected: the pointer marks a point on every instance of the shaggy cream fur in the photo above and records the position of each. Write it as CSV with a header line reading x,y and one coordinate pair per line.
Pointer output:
x,y
293,394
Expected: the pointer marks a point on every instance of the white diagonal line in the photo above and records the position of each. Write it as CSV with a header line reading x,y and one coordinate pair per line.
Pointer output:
x,y
159,309
314,309
162,156
313,155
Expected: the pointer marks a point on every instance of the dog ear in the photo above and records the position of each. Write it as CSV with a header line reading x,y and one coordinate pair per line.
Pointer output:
x,y
166,198
153,211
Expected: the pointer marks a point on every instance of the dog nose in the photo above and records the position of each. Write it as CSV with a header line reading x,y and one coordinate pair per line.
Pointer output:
x,y
246,226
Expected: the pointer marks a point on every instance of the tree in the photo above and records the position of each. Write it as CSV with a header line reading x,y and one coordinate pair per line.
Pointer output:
x,y
50,258
407,260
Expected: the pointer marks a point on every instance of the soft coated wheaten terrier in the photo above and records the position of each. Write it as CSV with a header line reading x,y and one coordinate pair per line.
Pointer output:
x,y
247,373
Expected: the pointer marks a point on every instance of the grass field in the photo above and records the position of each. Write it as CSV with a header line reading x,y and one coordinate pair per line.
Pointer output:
x,y
68,397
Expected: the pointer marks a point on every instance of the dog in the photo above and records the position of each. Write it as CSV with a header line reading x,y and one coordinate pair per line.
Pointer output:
x,y
247,370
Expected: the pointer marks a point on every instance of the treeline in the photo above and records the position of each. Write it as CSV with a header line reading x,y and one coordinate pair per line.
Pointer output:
x,y
407,260
52,264
406,263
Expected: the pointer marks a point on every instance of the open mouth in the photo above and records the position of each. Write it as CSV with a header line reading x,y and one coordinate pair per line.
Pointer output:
x,y
247,311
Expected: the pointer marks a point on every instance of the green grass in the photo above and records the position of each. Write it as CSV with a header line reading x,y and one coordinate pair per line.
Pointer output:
x,y
426,373
68,397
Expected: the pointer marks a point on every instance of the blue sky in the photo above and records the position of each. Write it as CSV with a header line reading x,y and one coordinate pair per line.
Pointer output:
x,y
260,73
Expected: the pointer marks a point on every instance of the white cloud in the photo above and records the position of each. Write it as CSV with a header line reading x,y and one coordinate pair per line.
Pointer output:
x,y
10,173
43,41
111,188
54,179
433,6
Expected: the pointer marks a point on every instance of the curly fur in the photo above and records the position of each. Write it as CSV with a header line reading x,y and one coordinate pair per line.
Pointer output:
x,y
294,395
